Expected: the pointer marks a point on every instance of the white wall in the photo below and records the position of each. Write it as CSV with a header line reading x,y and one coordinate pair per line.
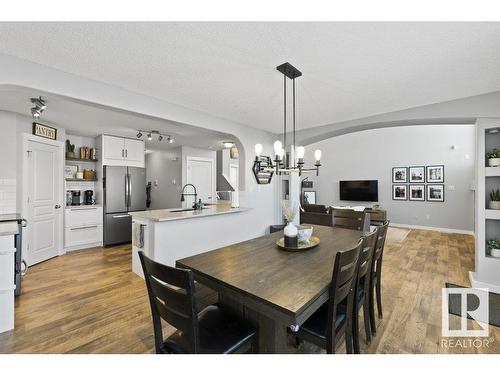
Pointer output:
x,y
371,154
164,171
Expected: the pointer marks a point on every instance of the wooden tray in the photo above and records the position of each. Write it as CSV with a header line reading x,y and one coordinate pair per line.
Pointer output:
x,y
313,242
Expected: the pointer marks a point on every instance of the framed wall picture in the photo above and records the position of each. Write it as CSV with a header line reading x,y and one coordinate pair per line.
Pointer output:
x,y
309,197
435,174
417,192
435,193
400,192
399,174
417,174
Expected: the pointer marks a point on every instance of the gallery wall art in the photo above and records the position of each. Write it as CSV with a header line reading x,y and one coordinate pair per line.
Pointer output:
x,y
418,183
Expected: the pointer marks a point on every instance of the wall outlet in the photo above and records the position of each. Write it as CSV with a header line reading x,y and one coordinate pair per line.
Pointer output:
x,y
451,187
428,217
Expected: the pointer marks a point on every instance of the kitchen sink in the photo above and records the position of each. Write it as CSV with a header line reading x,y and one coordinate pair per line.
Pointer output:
x,y
190,209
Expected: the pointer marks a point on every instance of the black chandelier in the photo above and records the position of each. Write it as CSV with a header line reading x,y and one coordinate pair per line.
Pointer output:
x,y
282,163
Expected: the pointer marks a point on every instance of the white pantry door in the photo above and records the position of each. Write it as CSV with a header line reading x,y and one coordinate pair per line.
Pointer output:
x,y
200,173
44,178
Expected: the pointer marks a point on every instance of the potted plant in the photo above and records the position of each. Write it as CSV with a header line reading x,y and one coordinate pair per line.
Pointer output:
x,y
70,149
494,247
493,157
495,199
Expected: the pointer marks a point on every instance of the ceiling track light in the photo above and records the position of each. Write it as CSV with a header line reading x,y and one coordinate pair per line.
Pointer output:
x,y
35,113
150,134
39,107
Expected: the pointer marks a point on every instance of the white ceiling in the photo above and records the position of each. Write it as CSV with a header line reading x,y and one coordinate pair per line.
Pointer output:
x,y
89,120
351,70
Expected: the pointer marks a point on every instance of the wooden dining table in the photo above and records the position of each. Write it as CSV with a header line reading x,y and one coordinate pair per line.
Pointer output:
x,y
269,287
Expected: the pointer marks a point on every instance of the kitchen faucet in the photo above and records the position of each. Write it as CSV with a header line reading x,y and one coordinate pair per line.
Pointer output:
x,y
189,194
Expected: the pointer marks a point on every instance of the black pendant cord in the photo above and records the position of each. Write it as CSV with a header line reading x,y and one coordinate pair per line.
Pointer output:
x,y
284,121
294,149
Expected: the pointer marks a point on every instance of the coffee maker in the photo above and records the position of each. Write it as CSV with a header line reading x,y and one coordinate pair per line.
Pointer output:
x,y
75,197
88,198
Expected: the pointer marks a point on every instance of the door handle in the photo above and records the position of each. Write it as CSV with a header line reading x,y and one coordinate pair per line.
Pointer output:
x,y
57,206
120,216
126,153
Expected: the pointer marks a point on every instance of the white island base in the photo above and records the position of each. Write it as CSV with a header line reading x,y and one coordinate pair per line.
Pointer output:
x,y
169,235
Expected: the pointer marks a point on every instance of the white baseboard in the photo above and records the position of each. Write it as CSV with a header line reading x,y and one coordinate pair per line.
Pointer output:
x,y
444,230
479,284
81,247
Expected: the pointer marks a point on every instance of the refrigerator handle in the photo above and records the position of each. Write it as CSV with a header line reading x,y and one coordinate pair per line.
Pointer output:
x,y
126,190
129,191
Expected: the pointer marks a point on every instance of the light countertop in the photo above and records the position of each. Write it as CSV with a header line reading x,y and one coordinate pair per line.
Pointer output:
x,y
171,214
8,228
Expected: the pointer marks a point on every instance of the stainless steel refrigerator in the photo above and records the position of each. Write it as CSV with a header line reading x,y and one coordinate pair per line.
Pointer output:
x,y
124,192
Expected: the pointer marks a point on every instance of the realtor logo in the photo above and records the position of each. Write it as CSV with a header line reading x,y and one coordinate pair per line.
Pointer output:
x,y
466,303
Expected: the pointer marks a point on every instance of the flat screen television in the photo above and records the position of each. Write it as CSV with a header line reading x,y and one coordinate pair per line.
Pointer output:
x,y
359,191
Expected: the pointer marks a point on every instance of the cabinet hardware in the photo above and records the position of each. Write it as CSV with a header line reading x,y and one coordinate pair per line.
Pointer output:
x,y
81,228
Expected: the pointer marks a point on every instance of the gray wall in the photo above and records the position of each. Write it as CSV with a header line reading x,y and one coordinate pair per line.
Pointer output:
x,y
164,170
371,154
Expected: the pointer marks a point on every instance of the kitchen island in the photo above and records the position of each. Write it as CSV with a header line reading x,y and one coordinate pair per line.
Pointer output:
x,y
171,234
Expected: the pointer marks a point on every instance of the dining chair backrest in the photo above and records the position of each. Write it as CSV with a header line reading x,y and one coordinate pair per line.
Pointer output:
x,y
379,246
350,219
344,272
172,298
365,259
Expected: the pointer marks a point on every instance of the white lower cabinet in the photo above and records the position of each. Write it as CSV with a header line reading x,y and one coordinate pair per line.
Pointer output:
x,y
83,227
7,252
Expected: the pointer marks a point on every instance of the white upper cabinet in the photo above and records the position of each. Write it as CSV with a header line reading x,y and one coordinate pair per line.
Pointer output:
x,y
134,150
122,151
113,147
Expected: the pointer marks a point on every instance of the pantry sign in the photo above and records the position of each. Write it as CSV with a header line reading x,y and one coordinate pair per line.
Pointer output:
x,y
44,131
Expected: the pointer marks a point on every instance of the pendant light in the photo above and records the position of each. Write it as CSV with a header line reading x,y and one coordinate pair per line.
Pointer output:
x,y
281,163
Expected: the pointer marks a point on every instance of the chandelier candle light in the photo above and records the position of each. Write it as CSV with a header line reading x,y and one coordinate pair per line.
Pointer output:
x,y
281,163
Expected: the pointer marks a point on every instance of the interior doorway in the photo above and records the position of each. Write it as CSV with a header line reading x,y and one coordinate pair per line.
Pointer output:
x,y
42,197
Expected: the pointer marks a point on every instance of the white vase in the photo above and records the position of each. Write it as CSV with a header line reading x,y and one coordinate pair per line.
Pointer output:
x,y
495,205
291,230
494,162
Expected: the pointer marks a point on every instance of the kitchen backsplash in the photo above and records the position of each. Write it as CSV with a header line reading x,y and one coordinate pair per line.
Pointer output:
x,y
7,196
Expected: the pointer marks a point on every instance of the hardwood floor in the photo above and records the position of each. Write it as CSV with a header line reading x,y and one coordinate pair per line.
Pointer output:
x,y
89,301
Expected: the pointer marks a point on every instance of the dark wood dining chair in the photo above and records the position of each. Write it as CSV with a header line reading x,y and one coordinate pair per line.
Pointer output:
x,y
332,321
350,219
362,288
172,298
376,275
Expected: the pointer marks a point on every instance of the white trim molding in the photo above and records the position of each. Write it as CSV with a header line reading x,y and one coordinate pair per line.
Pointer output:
x,y
444,230
479,284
